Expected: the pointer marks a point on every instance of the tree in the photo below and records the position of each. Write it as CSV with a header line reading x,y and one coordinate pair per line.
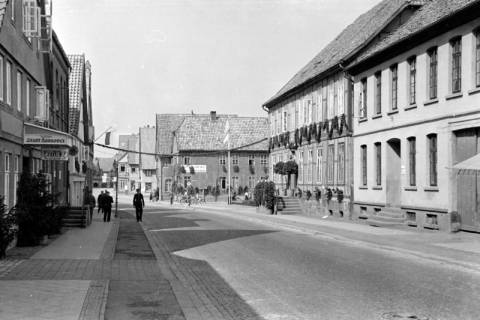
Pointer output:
x,y
33,210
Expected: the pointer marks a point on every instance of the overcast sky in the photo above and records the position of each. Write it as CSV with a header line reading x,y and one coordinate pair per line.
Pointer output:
x,y
175,56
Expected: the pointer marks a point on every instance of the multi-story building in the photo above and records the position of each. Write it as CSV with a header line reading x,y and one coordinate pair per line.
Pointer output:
x,y
33,118
147,162
200,153
417,114
191,149
311,116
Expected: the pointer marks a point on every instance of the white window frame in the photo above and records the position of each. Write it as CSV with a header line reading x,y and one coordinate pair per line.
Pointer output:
x,y
235,159
19,90
8,80
263,160
7,180
27,97
222,160
320,165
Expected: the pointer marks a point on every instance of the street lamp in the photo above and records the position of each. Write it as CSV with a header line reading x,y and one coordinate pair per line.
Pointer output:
x,y
115,166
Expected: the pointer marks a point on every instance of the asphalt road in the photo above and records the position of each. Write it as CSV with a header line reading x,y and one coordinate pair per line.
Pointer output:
x,y
253,272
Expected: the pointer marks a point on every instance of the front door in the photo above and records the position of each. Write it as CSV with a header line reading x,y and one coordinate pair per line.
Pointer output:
x,y
468,183
393,174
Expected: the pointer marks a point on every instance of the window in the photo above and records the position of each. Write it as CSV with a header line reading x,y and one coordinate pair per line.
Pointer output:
x,y
19,91
300,167
168,185
477,59
235,159
148,186
296,116
263,159
235,183
412,65
330,163
285,118
341,163
1,78
186,160
394,88
432,147
363,152
378,93
363,98
251,183
186,181
335,96
319,165
222,159
378,163
456,45
433,73
8,80
324,99
27,97
223,183
133,170
148,173
6,185
309,166
412,161
251,159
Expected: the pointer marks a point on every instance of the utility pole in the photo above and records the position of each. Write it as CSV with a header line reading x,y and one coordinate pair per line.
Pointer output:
x,y
116,187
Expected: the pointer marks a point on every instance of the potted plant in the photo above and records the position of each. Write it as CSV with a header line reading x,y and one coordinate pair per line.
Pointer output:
x,y
7,228
236,168
192,170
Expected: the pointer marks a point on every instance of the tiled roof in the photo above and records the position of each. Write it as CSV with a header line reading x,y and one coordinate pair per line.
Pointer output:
x,y
347,42
106,164
204,134
77,61
429,15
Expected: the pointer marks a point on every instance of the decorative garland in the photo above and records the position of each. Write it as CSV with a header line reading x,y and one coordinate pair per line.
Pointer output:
x,y
343,123
330,131
325,125
286,139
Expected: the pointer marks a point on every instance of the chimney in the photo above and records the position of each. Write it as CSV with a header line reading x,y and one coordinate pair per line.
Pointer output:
x,y
213,115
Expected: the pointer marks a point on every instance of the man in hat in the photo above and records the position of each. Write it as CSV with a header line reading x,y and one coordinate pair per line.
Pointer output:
x,y
138,203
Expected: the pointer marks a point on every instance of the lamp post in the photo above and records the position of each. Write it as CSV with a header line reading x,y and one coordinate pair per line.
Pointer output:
x,y
115,166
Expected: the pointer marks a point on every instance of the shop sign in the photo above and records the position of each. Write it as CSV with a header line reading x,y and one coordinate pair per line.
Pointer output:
x,y
198,167
45,139
55,154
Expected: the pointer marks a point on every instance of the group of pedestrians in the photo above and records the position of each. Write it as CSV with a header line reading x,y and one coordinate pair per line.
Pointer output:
x,y
105,201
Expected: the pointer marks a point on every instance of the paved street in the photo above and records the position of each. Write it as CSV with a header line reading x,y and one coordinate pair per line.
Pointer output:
x,y
206,263
276,274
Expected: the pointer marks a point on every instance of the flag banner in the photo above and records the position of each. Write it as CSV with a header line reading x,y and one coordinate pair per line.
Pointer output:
x,y
107,138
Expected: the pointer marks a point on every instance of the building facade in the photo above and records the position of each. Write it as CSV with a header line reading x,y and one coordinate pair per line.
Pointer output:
x,y
147,160
194,151
417,107
33,118
311,116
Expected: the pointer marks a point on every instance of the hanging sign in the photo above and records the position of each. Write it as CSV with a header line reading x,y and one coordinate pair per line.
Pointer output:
x,y
55,154
198,167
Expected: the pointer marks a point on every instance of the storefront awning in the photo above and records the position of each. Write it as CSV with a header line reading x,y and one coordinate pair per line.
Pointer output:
x,y
41,136
470,165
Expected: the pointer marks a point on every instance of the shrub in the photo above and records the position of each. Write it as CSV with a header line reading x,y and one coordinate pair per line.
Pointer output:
x,y
181,170
192,170
7,228
269,194
236,168
279,168
308,194
258,193
33,210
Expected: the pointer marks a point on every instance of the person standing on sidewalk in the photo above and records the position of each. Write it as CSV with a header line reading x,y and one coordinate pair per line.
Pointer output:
x,y
100,202
91,204
107,207
138,203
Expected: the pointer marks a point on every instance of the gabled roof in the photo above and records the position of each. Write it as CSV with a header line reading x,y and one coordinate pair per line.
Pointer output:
x,y
348,42
204,134
75,87
432,14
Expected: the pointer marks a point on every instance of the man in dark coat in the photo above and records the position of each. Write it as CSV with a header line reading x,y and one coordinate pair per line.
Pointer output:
x,y
138,203
107,207
100,202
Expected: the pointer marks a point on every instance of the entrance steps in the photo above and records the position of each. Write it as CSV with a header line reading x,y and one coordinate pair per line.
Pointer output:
x,y
387,217
76,217
289,205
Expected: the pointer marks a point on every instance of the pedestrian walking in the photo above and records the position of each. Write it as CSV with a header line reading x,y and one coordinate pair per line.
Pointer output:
x,y
100,202
91,204
107,207
138,203
171,197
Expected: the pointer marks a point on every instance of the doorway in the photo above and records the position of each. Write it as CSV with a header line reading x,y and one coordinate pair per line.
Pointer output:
x,y
393,173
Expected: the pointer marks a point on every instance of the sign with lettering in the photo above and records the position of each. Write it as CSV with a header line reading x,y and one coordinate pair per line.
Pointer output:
x,y
59,154
45,139
199,167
